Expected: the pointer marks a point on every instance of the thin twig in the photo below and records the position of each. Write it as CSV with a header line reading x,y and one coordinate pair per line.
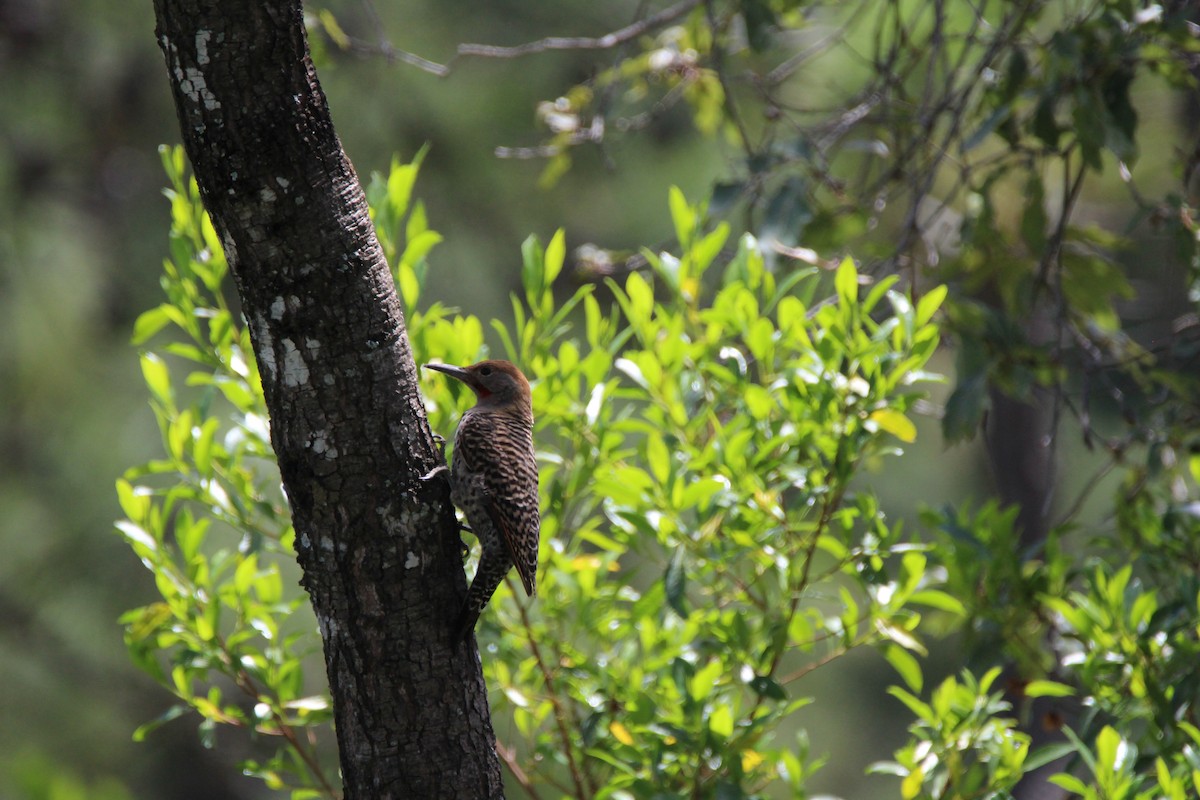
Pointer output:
x,y
246,683
390,51
605,42
828,658
470,50
555,703
787,67
509,756
1086,491
394,54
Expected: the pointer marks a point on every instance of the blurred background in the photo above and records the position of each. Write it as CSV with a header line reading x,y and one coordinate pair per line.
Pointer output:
x,y
83,225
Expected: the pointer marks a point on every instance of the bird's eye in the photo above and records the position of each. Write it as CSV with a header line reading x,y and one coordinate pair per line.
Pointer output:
x,y
485,371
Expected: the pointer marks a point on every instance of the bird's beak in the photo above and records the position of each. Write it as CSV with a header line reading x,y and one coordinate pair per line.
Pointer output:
x,y
452,371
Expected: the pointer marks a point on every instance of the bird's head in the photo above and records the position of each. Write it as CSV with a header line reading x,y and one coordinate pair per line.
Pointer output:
x,y
495,383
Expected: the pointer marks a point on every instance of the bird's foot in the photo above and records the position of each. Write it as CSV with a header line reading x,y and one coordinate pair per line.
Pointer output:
x,y
428,476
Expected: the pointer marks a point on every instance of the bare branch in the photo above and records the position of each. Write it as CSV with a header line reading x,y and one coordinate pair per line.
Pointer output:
x,y
560,710
394,54
605,42
608,41
390,51
508,755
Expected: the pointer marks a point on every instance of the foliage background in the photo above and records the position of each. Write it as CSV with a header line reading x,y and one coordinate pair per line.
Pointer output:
x,y
82,235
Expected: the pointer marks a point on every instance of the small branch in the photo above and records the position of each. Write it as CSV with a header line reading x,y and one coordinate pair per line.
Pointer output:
x,y
508,755
246,683
605,42
592,133
784,71
527,153
559,712
1086,492
394,54
828,658
391,52
643,120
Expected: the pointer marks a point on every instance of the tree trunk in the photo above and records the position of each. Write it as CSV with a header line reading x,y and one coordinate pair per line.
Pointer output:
x,y
379,548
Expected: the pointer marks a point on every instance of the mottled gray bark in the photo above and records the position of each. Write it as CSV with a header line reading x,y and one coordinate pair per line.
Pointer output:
x,y
379,548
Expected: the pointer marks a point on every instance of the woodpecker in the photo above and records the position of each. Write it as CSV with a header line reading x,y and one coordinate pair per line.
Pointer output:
x,y
494,480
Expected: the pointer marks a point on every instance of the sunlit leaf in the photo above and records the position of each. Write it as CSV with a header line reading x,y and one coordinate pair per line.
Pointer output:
x,y
895,423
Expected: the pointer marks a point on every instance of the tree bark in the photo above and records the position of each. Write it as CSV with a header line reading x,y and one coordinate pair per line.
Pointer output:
x,y
379,548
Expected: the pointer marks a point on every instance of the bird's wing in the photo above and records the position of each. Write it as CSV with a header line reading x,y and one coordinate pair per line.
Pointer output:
x,y
504,456
523,557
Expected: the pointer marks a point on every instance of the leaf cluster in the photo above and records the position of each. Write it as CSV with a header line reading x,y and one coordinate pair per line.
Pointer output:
x,y
703,430
703,546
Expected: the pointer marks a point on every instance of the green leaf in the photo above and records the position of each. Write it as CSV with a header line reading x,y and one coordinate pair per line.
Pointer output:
x,y
410,287
929,303
1120,119
135,501
243,577
920,709
555,254
1041,688
846,282
418,247
658,458
602,541
189,534
202,449
1110,752
964,409
910,787
906,666
532,268
935,598
760,21
151,322
901,305
137,537
768,688
332,29
788,213
675,583
705,679
158,379
682,217
707,249
1045,126
721,721
900,636
895,423
174,712
641,297
759,401
1070,783
401,178
1044,755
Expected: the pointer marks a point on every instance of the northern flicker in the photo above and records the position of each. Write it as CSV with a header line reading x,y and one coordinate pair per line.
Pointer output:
x,y
494,480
